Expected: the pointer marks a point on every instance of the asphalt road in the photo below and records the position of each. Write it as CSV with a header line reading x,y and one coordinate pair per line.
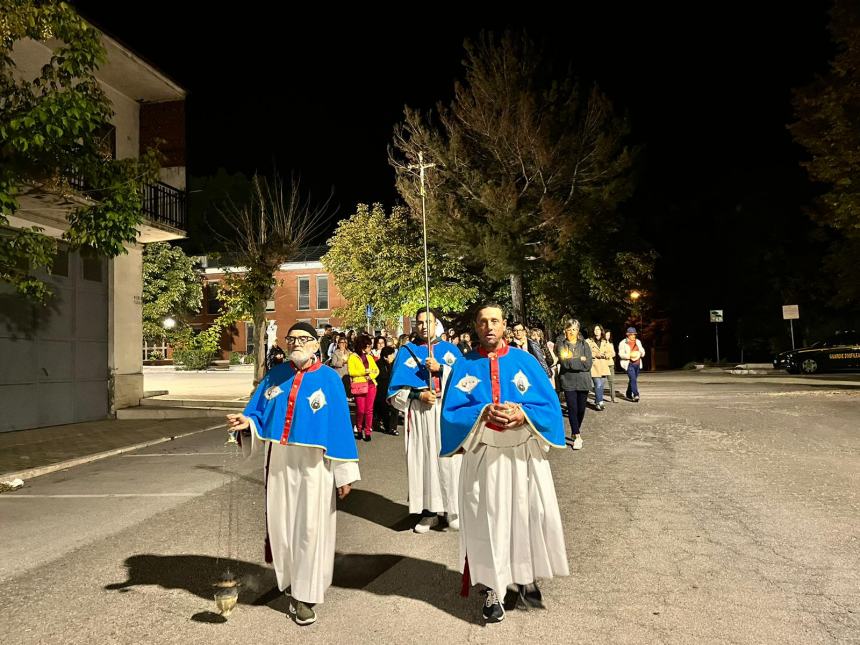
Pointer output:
x,y
710,512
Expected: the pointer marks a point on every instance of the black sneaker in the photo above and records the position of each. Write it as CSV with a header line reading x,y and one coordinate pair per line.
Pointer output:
x,y
302,613
493,610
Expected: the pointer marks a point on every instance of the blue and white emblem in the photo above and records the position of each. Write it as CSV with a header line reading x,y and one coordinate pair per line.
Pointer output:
x,y
317,401
521,382
468,383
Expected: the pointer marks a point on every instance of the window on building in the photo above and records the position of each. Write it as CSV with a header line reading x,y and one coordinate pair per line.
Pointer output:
x,y
322,292
250,338
92,266
213,302
270,305
304,294
60,265
322,322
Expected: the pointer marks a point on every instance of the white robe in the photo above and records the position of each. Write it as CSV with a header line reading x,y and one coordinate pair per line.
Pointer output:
x,y
510,524
434,481
301,517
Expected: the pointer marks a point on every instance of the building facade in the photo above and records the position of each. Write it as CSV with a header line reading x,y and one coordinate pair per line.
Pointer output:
x,y
78,358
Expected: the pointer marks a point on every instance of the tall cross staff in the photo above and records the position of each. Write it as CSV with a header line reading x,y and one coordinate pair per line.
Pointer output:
x,y
421,167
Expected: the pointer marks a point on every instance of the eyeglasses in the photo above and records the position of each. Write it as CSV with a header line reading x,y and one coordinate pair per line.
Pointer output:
x,y
518,329
299,340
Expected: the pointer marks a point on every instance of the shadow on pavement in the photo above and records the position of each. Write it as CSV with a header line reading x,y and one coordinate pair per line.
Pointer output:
x,y
375,508
429,582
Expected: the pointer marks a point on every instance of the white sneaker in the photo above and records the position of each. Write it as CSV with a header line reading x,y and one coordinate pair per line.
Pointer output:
x,y
577,443
426,523
454,522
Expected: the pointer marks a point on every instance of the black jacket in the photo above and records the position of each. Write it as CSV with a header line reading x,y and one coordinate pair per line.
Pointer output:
x,y
575,373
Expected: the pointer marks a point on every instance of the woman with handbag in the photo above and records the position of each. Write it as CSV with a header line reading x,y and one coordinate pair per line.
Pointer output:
x,y
600,350
363,372
631,353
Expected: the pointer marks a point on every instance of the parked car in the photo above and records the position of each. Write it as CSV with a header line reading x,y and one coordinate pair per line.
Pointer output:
x,y
839,353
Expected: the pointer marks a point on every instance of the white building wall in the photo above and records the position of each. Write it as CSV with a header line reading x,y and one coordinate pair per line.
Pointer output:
x,y
125,327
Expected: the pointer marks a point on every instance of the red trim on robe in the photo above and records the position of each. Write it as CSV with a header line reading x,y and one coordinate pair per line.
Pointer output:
x,y
294,392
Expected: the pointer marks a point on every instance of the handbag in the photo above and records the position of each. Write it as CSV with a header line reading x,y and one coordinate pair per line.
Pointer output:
x,y
358,388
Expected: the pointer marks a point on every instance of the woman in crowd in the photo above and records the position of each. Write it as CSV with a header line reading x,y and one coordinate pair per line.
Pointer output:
x,y
600,351
363,372
574,376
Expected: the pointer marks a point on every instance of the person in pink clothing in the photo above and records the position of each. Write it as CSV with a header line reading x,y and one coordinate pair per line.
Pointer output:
x,y
363,372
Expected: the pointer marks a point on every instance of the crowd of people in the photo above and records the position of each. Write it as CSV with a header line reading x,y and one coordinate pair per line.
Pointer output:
x,y
478,421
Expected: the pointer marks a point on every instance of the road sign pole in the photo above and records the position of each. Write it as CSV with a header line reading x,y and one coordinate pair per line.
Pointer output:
x,y
791,322
717,331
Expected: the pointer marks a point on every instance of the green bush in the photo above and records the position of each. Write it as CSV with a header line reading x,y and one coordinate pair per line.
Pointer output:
x,y
250,359
192,359
156,356
236,358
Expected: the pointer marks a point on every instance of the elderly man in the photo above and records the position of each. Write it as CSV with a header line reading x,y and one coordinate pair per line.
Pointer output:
x,y
300,413
631,353
501,412
419,376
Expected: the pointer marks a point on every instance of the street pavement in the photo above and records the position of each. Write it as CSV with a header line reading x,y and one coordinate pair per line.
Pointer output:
x,y
711,512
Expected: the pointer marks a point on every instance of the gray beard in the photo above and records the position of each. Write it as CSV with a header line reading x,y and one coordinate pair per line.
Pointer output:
x,y
299,357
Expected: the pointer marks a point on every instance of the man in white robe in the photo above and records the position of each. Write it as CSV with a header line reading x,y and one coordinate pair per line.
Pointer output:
x,y
299,412
433,480
501,413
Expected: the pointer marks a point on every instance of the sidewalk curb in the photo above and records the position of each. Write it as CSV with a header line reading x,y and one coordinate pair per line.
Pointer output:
x,y
30,473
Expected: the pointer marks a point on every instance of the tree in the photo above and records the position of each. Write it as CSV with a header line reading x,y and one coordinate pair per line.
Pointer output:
x,y
171,288
51,131
526,160
270,229
828,127
377,259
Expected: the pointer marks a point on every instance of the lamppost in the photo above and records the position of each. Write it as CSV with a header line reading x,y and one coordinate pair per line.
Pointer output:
x,y
634,297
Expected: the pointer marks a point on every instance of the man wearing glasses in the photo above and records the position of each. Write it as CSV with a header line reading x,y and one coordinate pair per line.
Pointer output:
x,y
300,414
522,341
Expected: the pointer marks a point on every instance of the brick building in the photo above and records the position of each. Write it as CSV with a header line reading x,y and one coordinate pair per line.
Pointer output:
x,y
305,292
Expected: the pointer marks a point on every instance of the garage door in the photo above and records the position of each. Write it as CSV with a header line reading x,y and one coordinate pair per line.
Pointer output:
x,y
54,358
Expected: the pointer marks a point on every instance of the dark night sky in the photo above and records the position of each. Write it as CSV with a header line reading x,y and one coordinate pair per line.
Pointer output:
x,y
317,90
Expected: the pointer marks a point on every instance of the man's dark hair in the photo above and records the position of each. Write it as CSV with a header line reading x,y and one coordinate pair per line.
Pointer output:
x,y
327,327
386,352
432,311
486,305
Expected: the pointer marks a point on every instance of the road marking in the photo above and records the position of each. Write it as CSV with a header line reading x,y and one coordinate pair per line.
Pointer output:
x,y
88,495
178,454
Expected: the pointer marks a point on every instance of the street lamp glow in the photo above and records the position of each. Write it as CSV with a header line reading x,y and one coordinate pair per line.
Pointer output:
x,y
635,295
169,323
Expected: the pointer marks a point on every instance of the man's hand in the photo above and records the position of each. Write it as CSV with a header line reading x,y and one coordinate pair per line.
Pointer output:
x,y
238,422
343,491
433,365
505,415
428,397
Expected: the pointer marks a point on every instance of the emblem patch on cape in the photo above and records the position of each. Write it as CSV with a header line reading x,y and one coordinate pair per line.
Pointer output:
x,y
449,358
317,401
521,382
410,363
272,392
468,383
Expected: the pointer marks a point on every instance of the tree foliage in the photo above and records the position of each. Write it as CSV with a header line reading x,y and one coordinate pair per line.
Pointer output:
x,y
376,259
828,127
526,160
271,228
52,130
171,288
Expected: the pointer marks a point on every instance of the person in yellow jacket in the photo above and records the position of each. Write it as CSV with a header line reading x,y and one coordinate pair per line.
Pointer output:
x,y
362,373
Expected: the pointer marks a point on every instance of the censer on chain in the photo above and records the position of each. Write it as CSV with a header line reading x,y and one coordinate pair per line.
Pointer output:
x,y
227,585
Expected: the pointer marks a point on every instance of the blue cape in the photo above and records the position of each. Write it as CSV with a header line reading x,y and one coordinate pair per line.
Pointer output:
x,y
521,380
408,372
319,416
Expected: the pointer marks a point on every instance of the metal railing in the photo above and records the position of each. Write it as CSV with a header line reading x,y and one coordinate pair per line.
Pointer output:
x,y
164,204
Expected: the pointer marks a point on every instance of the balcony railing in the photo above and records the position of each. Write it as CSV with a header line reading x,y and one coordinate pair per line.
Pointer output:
x,y
164,204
